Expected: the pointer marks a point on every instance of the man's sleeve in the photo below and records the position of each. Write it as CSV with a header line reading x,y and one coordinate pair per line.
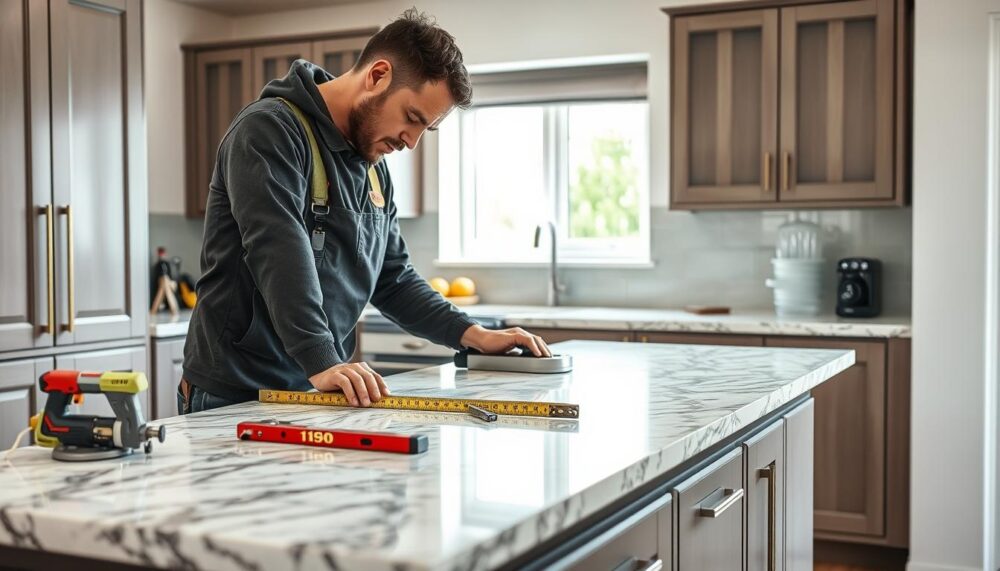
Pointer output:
x,y
264,171
406,298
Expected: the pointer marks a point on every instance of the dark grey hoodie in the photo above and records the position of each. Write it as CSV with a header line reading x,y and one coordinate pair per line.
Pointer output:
x,y
271,310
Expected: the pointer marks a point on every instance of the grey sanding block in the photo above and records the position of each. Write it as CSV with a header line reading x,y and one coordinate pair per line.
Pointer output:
x,y
514,362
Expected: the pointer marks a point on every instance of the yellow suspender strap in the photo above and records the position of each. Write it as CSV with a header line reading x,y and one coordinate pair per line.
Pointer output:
x,y
320,184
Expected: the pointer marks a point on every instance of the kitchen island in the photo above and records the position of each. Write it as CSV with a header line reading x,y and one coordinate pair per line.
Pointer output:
x,y
656,422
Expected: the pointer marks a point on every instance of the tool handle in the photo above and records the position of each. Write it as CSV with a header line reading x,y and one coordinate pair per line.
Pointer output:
x,y
327,438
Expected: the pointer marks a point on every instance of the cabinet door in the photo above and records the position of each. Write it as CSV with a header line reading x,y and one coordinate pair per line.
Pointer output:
x,y
168,368
837,101
272,62
338,56
221,88
725,108
556,335
764,481
18,382
850,439
798,540
699,339
27,316
99,174
127,359
710,517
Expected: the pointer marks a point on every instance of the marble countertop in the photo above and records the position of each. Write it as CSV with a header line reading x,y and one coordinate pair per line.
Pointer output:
x,y
163,324
747,322
481,494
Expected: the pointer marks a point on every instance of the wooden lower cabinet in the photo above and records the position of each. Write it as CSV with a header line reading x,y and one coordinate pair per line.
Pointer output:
x,y
699,338
710,526
558,335
764,482
18,385
798,482
642,541
168,368
861,442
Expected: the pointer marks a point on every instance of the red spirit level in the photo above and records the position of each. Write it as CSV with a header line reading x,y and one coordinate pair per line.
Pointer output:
x,y
274,431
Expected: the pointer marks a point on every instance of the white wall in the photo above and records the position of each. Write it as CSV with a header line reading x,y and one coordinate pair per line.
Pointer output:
x,y
951,484
167,25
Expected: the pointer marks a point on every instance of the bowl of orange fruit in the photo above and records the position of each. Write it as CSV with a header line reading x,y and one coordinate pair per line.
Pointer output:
x,y
460,291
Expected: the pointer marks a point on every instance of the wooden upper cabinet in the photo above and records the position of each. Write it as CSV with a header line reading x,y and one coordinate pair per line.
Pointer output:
x,y
27,305
221,88
223,78
837,101
99,169
725,107
339,55
827,127
272,62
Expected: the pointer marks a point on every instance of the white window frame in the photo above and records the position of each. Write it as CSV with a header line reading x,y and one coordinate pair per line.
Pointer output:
x,y
456,238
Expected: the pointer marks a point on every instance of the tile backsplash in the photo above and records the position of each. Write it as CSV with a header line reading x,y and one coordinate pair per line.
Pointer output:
x,y
699,258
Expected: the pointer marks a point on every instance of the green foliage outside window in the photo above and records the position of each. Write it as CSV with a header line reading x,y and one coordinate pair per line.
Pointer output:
x,y
604,196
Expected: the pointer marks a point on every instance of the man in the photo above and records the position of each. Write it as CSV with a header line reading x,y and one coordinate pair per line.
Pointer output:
x,y
285,276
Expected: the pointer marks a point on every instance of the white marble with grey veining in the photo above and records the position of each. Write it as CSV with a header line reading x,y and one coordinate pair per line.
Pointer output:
x,y
739,322
481,494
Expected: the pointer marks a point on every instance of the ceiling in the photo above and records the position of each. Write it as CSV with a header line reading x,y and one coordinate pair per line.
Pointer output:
x,y
244,7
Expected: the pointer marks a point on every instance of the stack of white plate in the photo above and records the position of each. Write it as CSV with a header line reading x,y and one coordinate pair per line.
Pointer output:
x,y
798,286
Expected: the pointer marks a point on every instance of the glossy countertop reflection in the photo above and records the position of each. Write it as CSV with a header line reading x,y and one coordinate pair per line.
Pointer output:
x,y
481,495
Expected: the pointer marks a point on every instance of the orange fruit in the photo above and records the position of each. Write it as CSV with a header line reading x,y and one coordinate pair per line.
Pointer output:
x,y
462,287
441,285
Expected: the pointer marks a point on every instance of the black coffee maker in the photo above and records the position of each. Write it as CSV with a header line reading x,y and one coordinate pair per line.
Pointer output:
x,y
858,292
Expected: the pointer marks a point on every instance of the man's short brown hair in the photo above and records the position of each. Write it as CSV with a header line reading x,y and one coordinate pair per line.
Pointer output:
x,y
420,51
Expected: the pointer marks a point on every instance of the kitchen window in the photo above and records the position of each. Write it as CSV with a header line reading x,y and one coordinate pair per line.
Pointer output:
x,y
571,147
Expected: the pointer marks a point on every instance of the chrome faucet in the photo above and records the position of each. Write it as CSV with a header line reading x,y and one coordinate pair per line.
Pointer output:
x,y
554,286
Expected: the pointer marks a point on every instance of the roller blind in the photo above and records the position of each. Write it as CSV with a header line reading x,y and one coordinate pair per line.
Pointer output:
x,y
606,81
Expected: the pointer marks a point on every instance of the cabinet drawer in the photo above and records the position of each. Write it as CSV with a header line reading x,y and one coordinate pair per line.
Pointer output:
x,y
710,517
630,545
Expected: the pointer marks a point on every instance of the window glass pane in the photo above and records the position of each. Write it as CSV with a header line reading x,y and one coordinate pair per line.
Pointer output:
x,y
606,145
508,157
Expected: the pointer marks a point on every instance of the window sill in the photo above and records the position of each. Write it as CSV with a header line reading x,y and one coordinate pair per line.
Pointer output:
x,y
590,264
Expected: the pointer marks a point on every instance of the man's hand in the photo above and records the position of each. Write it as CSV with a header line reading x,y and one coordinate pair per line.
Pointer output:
x,y
358,381
489,341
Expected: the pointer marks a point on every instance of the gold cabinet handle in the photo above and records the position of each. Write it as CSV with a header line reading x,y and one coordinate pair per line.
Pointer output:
x,y
69,326
644,339
49,328
767,172
770,473
786,169
729,499
625,339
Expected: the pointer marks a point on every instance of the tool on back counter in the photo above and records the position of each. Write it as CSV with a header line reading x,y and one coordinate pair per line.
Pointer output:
x,y
79,437
164,278
288,433
518,360
428,403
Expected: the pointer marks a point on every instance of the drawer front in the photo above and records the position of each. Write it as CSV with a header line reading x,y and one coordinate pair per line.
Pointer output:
x,y
634,544
710,517
401,344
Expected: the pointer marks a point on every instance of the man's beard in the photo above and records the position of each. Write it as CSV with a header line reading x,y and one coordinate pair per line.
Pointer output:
x,y
361,122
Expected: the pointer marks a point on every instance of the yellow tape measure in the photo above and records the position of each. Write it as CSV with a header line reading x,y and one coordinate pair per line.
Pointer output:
x,y
428,403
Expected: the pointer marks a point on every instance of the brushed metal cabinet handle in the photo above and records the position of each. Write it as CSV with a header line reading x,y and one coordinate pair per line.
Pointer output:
x,y
767,171
50,263
729,498
414,345
786,170
70,325
770,473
